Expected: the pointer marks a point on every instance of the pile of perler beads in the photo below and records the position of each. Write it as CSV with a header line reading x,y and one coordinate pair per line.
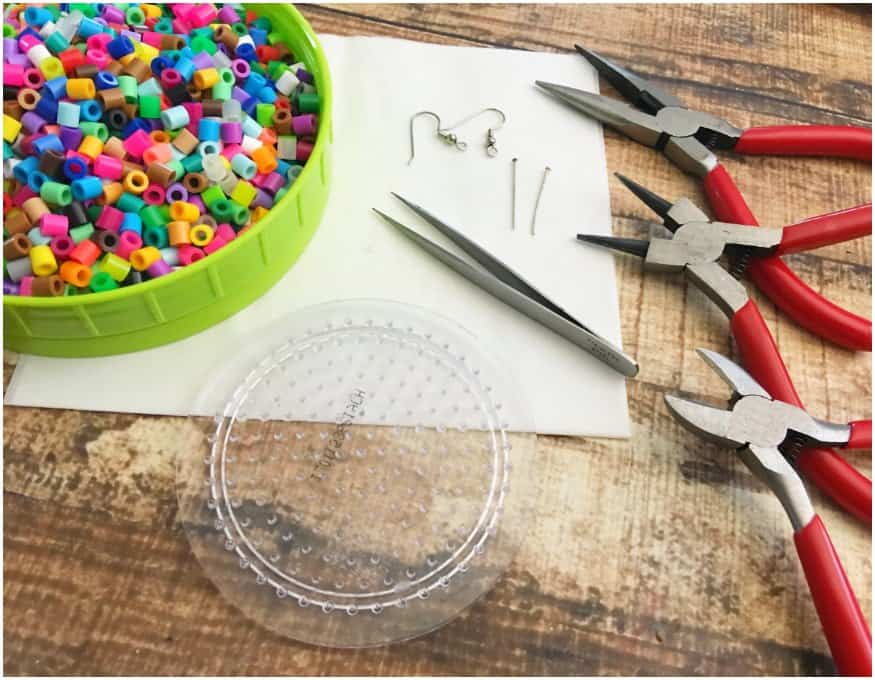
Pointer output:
x,y
141,138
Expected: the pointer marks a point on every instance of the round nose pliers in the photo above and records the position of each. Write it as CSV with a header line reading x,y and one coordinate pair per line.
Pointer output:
x,y
696,248
762,431
660,120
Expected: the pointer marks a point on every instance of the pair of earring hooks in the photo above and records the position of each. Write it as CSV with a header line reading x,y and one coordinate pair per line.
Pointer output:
x,y
448,137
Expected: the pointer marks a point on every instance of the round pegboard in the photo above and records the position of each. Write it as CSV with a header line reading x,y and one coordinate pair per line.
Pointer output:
x,y
361,482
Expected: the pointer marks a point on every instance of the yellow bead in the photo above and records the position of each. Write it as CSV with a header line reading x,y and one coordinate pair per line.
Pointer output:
x,y
243,193
258,213
115,266
145,52
205,78
11,128
81,88
51,67
151,11
90,146
201,234
182,211
143,258
42,261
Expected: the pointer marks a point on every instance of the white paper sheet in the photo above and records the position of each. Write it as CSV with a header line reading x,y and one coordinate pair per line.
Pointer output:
x,y
379,83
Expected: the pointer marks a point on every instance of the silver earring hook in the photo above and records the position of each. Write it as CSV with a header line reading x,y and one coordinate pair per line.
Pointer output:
x,y
443,133
491,144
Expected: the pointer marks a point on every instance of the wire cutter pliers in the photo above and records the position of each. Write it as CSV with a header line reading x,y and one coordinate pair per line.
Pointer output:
x,y
696,248
759,428
686,137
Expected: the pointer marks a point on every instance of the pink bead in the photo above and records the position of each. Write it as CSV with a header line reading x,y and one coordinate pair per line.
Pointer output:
x,y
107,167
110,219
158,268
24,192
214,245
98,57
273,182
152,38
13,75
137,143
128,242
181,10
231,150
181,27
27,41
303,149
98,41
228,15
154,194
201,15
34,78
224,232
62,246
258,180
189,254
25,286
54,225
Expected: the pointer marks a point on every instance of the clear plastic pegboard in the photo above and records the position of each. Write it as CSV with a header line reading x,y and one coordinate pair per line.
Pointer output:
x,y
360,484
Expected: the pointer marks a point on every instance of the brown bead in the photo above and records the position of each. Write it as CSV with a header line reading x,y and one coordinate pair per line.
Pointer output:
x,y
47,286
226,35
160,174
52,163
28,99
114,147
35,208
171,42
185,141
86,71
212,108
112,98
114,67
194,93
13,109
107,241
17,222
282,121
130,166
131,110
285,52
195,182
139,69
16,247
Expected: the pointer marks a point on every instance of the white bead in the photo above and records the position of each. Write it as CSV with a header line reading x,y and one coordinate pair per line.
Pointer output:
x,y
250,144
287,82
48,28
287,148
228,182
232,112
38,53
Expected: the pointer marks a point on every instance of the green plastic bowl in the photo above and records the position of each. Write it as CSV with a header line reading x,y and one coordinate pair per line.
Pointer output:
x,y
198,296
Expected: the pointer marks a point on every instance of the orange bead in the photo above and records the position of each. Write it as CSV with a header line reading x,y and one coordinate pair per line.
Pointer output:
x,y
268,136
178,233
112,191
264,159
75,273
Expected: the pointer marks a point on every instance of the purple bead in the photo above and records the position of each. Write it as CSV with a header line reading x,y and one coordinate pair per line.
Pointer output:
x,y
158,268
10,47
221,47
71,137
17,59
232,133
304,125
273,183
32,122
228,15
132,36
202,60
113,14
176,192
10,288
239,94
194,199
240,69
305,76
263,199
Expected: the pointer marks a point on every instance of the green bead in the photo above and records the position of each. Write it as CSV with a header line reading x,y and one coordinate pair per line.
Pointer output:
x,y
56,42
212,194
95,129
201,43
152,217
239,214
163,25
276,69
56,193
226,75
222,209
222,91
82,232
86,8
55,11
255,67
130,203
264,114
263,23
93,212
273,38
101,281
129,87
70,289
240,29
7,150
150,107
9,31
135,16
177,167
308,102
192,163
156,236
164,209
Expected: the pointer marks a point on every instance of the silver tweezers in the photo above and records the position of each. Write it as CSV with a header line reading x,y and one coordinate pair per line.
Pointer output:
x,y
499,280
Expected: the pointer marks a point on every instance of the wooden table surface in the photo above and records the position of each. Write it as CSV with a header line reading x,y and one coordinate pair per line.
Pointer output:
x,y
656,555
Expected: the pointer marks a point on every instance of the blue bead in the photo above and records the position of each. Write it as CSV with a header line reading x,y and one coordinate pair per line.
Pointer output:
x,y
267,94
249,106
37,16
208,130
119,47
90,110
186,68
46,143
68,114
29,31
57,87
132,222
48,109
254,83
104,80
75,168
259,37
36,180
23,170
89,27
282,167
245,52
86,188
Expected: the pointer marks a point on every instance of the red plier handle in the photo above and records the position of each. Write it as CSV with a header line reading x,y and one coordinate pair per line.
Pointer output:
x,y
805,306
843,623
838,141
824,467
824,230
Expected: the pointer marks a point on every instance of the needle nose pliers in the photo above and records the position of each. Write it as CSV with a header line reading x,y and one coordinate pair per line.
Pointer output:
x,y
762,430
660,120
695,248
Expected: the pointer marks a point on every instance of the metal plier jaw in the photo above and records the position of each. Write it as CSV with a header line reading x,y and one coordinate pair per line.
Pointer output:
x,y
764,432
